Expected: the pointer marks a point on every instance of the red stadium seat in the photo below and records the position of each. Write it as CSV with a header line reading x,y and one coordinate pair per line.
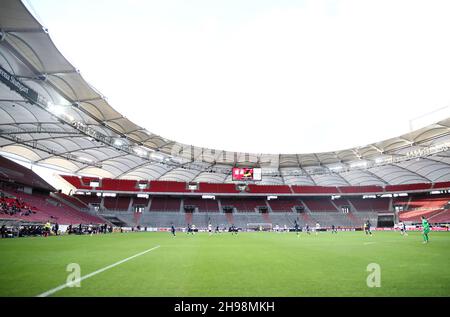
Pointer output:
x,y
269,189
203,205
168,204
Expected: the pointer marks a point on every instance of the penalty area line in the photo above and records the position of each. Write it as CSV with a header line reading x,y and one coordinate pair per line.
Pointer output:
x,y
69,284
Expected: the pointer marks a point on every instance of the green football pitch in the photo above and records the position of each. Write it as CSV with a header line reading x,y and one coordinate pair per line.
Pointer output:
x,y
249,264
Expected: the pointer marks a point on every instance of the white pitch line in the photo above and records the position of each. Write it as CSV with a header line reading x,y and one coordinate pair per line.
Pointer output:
x,y
56,289
366,243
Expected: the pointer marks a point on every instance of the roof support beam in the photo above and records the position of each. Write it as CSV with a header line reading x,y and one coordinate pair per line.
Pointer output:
x,y
134,169
61,72
48,151
306,173
34,123
24,30
161,146
107,159
376,176
80,149
412,172
35,131
5,136
12,100
435,160
87,99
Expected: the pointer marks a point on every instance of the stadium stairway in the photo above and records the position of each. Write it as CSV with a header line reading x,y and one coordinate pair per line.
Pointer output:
x,y
72,201
306,218
230,218
354,220
329,218
362,217
441,217
415,215
188,217
266,217
137,218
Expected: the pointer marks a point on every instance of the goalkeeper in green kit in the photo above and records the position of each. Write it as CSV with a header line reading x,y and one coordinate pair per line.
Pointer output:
x,y
426,229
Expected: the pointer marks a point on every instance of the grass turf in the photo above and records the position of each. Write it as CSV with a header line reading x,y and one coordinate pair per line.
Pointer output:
x,y
249,264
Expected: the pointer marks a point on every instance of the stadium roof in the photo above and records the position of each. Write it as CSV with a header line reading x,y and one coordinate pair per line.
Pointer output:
x,y
51,116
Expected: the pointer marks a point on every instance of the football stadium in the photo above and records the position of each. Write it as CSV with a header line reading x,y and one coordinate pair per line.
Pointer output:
x,y
130,213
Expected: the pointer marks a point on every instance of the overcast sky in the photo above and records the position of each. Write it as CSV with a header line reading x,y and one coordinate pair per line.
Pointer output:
x,y
262,76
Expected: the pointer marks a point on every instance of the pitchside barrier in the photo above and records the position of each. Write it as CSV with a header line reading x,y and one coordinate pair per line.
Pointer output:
x,y
269,227
259,226
414,229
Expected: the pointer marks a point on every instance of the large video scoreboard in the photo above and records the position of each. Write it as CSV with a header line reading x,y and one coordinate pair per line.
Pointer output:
x,y
247,174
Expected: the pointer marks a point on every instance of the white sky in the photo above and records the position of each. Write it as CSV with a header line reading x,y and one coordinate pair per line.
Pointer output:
x,y
262,76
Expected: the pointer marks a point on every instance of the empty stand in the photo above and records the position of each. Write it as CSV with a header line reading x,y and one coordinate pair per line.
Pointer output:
x,y
315,204
74,201
441,217
269,189
167,187
140,201
217,188
342,202
415,215
243,204
408,187
441,185
75,181
428,206
166,204
360,189
203,205
117,203
89,199
314,189
370,204
283,205
123,185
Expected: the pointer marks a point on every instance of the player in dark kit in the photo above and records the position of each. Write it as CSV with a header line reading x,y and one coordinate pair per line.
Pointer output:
x,y
217,230
307,229
172,229
233,230
189,229
367,226
403,229
333,229
296,227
